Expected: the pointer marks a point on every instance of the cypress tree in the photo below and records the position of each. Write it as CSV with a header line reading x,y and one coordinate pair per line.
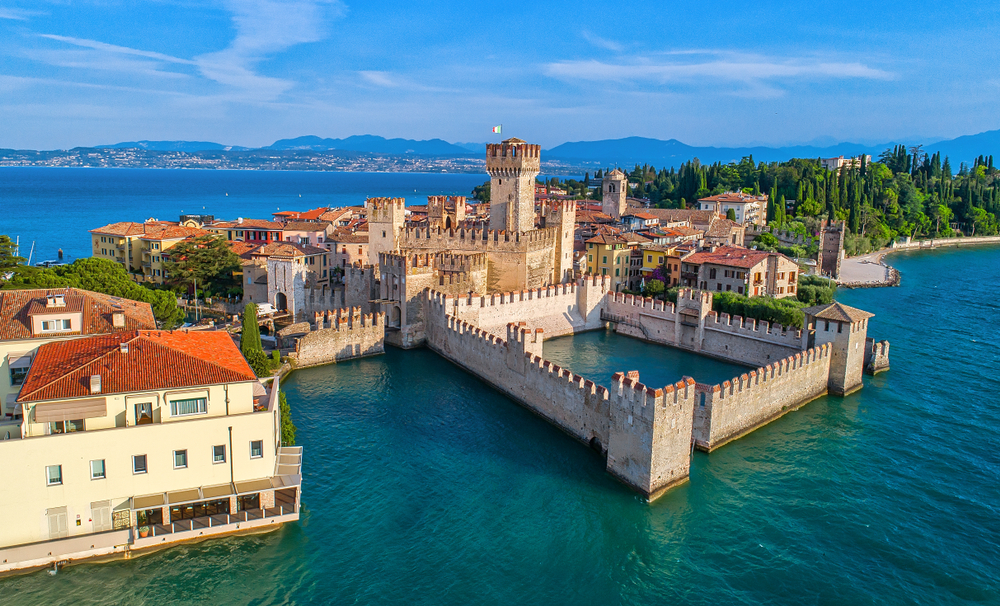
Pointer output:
x,y
250,345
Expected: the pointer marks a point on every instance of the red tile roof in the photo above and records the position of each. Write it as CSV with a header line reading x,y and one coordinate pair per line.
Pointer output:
x,y
730,256
248,224
171,232
97,308
243,249
287,249
155,360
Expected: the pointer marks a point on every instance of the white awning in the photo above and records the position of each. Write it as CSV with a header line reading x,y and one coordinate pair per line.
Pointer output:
x,y
19,360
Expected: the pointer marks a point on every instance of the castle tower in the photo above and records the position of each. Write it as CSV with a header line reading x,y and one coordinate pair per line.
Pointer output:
x,y
831,248
385,221
615,190
446,212
845,329
562,215
512,166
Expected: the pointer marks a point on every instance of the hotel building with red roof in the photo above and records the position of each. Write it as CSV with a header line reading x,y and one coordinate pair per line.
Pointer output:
x,y
136,438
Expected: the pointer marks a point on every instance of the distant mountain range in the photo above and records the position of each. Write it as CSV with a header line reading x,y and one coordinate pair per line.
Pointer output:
x,y
372,144
609,152
640,150
179,146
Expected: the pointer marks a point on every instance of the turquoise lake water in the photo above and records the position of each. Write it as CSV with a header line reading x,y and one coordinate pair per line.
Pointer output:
x,y
424,486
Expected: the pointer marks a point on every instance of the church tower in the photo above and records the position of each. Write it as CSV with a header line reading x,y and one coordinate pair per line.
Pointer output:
x,y
615,189
512,166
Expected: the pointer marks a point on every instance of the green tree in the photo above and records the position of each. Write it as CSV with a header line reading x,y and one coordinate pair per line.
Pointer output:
x,y
288,428
250,345
207,260
731,214
10,263
482,192
653,288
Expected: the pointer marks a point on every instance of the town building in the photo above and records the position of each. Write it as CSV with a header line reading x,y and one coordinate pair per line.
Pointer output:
x,y
748,208
257,231
140,438
741,270
282,273
140,247
842,162
31,318
313,233
286,216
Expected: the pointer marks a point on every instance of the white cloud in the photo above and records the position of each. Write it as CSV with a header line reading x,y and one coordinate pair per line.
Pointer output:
x,y
18,14
111,48
600,42
264,27
721,68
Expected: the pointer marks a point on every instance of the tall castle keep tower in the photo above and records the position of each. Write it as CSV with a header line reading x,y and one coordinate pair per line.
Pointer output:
x,y
385,222
831,247
512,166
615,189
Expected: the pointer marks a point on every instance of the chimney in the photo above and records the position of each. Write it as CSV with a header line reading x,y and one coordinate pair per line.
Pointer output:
x,y
240,220
118,319
123,347
95,383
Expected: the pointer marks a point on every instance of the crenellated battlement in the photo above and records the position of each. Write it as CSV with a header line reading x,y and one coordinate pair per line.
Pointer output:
x,y
346,319
512,158
385,209
735,407
428,262
445,202
701,297
475,240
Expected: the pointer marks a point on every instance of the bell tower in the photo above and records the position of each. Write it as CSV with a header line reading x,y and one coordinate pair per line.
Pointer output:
x,y
615,190
512,166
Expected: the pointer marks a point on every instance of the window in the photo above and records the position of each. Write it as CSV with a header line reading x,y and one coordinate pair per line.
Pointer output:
x,y
718,286
66,426
17,375
193,406
219,454
180,459
97,470
711,274
605,261
739,289
590,258
139,464
649,258
791,276
53,475
256,449
56,325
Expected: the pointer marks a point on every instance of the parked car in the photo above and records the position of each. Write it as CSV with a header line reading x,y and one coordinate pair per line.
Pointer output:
x,y
265,309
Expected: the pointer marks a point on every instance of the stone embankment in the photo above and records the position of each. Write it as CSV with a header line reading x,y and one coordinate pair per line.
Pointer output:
x,y
871,270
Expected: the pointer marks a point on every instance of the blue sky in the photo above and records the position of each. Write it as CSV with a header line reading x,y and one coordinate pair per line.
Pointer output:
x,y
248,72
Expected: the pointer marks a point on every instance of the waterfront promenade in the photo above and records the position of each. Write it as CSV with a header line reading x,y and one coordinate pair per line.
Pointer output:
x,y
871,270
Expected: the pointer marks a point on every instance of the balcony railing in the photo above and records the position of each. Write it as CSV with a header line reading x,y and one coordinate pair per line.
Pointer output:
x,y
219,519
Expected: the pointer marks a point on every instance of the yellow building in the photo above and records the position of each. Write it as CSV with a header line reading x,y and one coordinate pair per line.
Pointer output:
x,y
140,438
608,255
140,246
666,259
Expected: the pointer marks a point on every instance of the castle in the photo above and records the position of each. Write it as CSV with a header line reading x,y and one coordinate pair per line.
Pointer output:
x,y
485,297
519,248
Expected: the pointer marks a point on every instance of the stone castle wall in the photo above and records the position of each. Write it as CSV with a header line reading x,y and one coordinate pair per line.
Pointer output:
x,y
876,356
341,335
736,407
646,433
697,328
516,260
562,309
